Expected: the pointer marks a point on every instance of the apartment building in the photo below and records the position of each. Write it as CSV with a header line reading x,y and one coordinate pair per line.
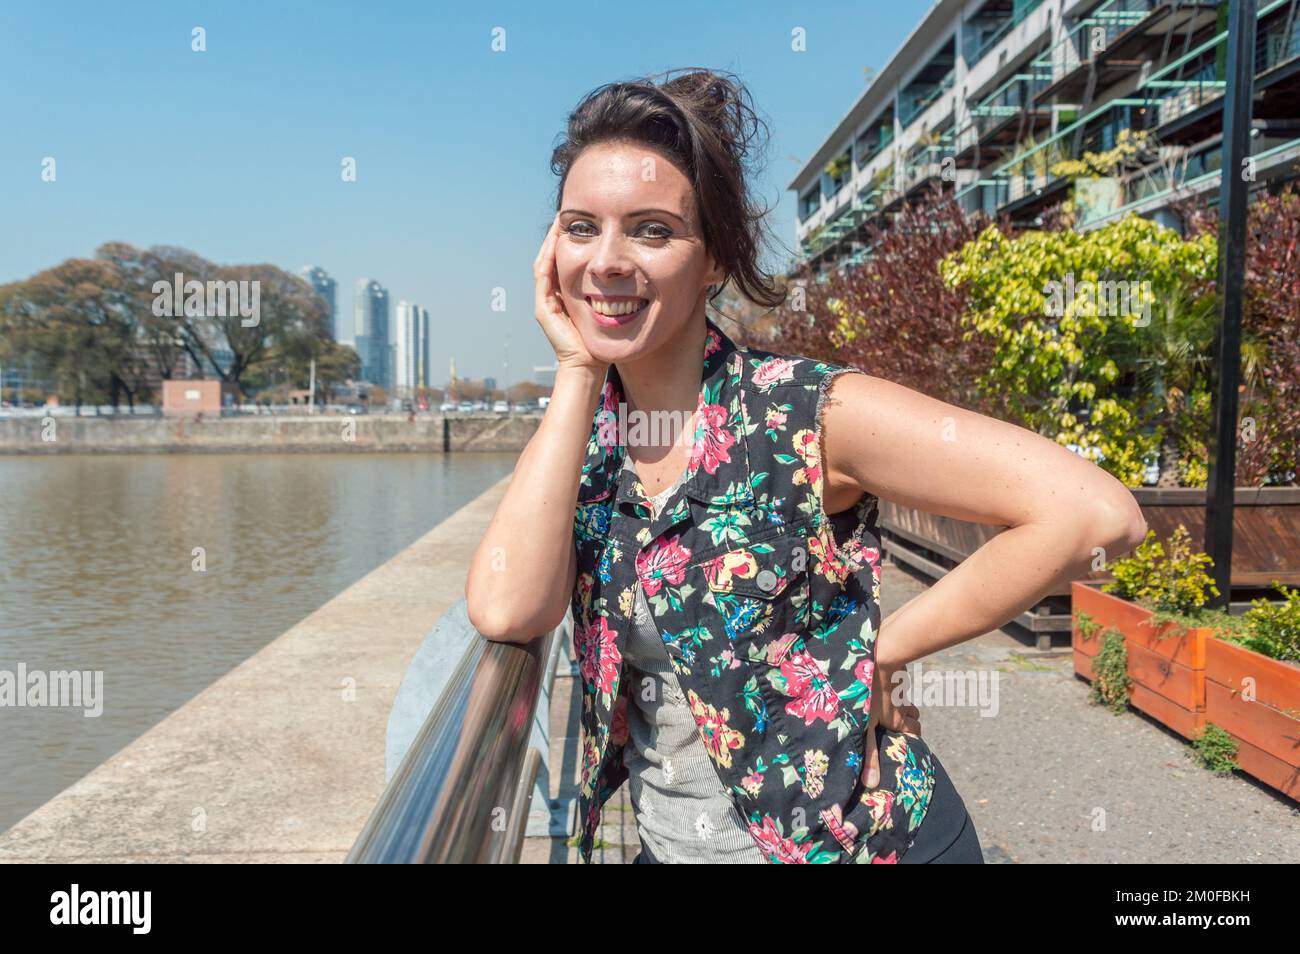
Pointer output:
x,y
986,97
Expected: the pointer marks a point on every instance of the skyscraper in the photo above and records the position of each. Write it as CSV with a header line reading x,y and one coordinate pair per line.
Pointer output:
x,y
371,317
326,287
411,349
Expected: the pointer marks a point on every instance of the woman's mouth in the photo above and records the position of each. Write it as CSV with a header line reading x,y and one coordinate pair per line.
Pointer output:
x,y
614,312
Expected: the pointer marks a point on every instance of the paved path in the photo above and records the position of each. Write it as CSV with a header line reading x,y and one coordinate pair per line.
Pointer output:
x,y
1048,778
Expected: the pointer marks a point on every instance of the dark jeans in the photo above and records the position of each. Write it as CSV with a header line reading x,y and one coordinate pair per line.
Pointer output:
x,y
946,836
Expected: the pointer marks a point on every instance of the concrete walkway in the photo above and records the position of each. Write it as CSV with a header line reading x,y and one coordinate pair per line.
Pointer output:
x,y
1048,778
282,759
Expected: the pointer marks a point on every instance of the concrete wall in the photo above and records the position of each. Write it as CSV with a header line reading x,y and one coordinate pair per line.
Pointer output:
x,y
343,433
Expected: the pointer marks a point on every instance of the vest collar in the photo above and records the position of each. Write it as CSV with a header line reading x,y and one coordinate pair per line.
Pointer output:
x,y
718,470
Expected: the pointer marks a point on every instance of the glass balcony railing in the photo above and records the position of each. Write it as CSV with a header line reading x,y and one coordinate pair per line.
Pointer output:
x,y
869,147
1192,80
983,195
1031,169
917,99
1186,94
922,165
980,38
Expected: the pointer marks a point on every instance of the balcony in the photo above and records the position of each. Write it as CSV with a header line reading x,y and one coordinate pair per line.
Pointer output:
x,y
1000,120
924,167
1186,95
917,98
983,195
1116,40
874,141
983,32
1030,182
930,82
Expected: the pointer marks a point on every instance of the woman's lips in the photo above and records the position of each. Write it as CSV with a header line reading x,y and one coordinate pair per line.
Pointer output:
x,y
616,321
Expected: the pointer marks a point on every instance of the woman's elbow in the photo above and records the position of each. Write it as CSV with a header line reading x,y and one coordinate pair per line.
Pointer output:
x,y
498,625
1118,522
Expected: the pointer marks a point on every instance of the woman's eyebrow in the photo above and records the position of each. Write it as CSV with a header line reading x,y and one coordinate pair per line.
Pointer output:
x,y
628,215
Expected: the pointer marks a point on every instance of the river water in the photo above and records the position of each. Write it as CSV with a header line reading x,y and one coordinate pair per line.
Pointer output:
x,y
99,571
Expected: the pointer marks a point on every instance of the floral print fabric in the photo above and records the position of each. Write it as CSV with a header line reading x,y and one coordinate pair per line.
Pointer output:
x,y
768,609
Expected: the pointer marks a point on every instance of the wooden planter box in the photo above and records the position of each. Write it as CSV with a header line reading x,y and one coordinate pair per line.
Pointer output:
x,y
1167,671
1184,681
1267,734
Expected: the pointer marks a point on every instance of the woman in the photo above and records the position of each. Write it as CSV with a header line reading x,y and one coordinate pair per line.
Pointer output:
x,y
724,578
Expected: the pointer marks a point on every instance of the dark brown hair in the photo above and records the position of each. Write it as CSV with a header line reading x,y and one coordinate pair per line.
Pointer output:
x,y
705,122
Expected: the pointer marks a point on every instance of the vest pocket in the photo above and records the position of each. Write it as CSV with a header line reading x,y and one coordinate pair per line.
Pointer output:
x,y
759,590
890,814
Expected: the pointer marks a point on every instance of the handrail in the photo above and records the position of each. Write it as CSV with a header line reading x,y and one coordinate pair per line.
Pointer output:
x,y
462,791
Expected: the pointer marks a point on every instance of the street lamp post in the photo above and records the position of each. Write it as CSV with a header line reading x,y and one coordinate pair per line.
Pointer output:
x,y
1233,196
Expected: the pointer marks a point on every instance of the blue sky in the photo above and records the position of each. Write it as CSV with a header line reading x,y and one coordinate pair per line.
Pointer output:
x,y
235,152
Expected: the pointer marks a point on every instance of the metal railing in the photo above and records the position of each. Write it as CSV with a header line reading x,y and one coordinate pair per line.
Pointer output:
x,y
461,793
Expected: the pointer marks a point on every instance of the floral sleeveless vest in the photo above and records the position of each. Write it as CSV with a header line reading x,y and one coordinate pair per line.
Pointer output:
x,y
768,609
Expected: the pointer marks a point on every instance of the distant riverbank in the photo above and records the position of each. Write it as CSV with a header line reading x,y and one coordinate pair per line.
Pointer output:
x,y
427,433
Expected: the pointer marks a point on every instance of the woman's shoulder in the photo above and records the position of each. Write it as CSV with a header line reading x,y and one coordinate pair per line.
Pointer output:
x,y
763,368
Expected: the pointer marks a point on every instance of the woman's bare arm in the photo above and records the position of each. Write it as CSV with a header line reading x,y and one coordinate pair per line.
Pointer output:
x,y
522,574
903,446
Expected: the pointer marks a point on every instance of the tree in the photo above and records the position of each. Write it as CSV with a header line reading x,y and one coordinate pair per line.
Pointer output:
x,y
893,315
77,318
1072,372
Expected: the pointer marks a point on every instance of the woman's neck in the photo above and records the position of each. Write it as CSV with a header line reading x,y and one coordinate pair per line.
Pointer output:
x,y
667,379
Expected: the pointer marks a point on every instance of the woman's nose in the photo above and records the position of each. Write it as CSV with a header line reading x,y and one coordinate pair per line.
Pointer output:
x,y
611,254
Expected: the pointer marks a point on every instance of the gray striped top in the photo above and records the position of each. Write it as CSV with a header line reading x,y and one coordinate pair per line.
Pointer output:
x,y
683,812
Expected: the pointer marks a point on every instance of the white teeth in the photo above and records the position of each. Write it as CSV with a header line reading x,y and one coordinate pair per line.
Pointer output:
x,y
615,308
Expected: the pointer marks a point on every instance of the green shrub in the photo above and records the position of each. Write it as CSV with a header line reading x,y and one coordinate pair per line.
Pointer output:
x,y
1173,583
1215,749
1110,680
1269,630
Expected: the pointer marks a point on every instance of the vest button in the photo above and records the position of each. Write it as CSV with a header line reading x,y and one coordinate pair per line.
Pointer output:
x,y
766,580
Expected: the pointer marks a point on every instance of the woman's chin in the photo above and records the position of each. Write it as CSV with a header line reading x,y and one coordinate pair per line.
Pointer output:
x,y
619,343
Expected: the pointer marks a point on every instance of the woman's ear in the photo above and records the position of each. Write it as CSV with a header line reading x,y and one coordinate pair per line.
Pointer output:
x,y
714,275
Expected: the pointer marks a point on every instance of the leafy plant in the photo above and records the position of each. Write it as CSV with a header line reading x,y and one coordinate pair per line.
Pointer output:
x,y
1110,681
893,314
1071,373
1173,583
1215,749
1268,629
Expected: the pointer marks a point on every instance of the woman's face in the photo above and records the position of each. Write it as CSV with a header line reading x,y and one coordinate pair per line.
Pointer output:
x,y
631,259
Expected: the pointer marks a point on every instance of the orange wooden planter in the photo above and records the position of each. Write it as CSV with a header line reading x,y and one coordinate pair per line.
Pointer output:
x,y
1267,727
1166,671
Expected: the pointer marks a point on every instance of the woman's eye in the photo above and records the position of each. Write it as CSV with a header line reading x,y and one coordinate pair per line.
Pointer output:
x,y
650,231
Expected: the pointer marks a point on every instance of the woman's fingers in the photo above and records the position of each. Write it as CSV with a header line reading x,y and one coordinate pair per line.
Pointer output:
x,y
871,754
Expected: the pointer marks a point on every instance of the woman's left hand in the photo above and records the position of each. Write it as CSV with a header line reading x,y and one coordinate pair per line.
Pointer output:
x,y
895,718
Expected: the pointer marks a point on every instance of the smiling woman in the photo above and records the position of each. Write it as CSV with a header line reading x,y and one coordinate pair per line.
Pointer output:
x,y
725,589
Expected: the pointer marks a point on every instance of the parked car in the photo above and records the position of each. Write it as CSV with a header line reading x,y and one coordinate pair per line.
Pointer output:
x,y
501,407
446,407
466,407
